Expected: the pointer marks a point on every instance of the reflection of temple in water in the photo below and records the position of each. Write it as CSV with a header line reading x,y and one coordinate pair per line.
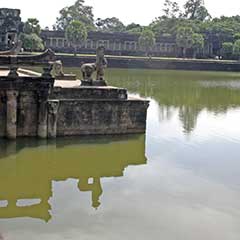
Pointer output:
x,y
28,173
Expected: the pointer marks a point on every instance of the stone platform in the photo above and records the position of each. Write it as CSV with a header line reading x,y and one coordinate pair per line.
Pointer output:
x,y
98,110
36,105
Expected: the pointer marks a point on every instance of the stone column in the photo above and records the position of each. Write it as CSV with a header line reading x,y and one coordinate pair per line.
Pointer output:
x,y
50,42
11,127
42,114
53,106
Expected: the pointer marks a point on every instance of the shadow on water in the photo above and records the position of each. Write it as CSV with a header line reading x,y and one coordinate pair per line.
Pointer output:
x,y
28,168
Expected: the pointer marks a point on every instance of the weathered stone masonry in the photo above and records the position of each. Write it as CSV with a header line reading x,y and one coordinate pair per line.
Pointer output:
x,y
23,106
30,106
105,110
27,109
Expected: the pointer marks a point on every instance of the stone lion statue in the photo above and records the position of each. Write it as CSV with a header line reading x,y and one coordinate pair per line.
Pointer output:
x,y
58,68
88,69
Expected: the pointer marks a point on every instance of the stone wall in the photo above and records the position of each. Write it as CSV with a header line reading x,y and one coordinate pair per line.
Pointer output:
x,y
98,110
171,64
117,43
88,117
30,106
23,106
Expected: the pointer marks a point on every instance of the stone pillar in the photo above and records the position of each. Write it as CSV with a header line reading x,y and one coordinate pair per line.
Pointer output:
x,y
11,127
53,106
42,113
51,42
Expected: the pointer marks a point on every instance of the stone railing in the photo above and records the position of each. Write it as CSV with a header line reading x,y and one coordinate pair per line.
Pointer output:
x,y
13,62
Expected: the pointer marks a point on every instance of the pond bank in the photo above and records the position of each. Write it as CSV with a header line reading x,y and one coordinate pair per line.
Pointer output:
x,y
143,63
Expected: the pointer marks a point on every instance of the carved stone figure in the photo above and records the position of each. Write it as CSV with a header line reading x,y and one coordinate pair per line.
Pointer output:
x,y
88,69
59,73
53,106
58,68
101,63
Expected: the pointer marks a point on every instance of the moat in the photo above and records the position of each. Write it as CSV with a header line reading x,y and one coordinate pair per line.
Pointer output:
x,y
135,186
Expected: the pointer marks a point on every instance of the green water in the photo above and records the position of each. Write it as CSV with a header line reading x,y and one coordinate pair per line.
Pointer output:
x,y
180,181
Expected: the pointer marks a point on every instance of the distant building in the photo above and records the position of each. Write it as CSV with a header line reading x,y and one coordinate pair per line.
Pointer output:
x,y
10,27
118,43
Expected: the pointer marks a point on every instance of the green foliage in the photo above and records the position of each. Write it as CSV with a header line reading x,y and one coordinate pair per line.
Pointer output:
x,y
32,26
227,49
163,25
198,43
195,10
184,38
32,42
76,33
171,9
147,40
31,35
134,28
236,48
110,25
236,36
77,12
173,24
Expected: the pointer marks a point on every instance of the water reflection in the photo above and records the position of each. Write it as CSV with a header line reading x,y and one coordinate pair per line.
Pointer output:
x,y
28,169
188,92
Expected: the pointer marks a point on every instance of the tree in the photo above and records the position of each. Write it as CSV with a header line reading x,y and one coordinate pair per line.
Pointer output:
x,y
32,26
227,49
32,42
77,12
202,14
134,28
30,36
110,25
198,43
76,34
163,25
236,49
184,39
147,40
171,9
236,36
195,10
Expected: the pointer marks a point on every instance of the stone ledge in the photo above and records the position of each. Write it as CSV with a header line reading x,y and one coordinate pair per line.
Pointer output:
x,y
87,93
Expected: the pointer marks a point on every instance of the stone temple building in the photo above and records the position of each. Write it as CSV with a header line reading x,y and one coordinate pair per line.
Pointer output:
x,y
10,27
118,43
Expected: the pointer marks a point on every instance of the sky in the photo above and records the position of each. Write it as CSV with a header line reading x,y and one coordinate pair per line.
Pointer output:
x,y
128,11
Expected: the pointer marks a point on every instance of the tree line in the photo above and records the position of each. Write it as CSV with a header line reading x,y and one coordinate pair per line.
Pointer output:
x,y
191,26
